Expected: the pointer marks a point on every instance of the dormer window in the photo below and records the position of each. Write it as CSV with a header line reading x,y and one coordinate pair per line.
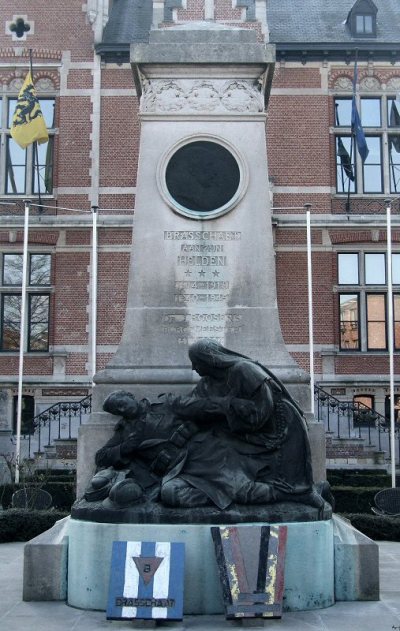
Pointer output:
x,y
364,24
361,20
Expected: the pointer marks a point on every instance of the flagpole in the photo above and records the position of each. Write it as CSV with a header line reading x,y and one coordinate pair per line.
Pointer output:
x,y
352,134
310,306
390,340
354,172
21,343
94,290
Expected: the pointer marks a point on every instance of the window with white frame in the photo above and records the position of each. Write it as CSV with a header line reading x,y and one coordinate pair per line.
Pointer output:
x,y
363,309
380,173
364,24
26,171
38,302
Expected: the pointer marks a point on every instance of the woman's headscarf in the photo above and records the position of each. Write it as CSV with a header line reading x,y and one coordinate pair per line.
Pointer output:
x,y
210,352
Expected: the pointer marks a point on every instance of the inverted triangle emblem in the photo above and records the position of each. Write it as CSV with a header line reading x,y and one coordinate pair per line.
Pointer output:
x,y
147,567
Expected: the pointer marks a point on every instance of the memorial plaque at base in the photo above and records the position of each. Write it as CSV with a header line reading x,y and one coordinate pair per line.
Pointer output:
x,y
251,561
146,581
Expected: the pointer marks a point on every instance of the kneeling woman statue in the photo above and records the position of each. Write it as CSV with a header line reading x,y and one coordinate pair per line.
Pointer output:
x,y
254,446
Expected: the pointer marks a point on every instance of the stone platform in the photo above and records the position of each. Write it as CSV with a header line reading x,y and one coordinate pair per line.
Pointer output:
x,y
309,567
150,512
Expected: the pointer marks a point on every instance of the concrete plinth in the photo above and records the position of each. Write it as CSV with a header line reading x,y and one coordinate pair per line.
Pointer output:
x,y
356,563
308,585
45,564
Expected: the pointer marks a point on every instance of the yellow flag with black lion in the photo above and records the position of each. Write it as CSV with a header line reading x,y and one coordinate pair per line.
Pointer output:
x,y
28,124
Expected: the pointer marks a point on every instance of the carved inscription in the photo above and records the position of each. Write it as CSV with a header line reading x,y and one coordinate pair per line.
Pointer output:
x,y
202,235
203,261
122,601
196,325
203,281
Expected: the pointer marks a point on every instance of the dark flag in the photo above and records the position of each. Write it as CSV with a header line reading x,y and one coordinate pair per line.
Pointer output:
x,y
356,126
394,121
345,160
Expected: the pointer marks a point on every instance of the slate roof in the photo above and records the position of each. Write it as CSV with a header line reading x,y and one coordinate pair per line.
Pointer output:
x,y
313,23
323,21
129,21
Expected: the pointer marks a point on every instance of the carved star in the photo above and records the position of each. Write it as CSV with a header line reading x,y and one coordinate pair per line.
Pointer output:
x,y
202,273
215,272
188,272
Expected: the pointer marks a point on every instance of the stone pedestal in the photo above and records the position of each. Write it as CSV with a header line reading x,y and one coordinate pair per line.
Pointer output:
x,y
89,561
345,563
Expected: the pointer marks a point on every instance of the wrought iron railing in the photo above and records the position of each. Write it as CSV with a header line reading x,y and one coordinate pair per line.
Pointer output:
x,y
353,419
56,422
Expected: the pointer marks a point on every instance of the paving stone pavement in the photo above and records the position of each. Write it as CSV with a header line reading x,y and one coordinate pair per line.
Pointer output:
x,y
16,615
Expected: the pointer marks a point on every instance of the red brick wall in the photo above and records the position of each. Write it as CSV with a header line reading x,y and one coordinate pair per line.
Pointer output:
x,y
117,79
119,141
74,138
58,25
296,78
72,279
113,278
369,364
113,236
33,365
78,237
80,79
292,294
117,204
293,203
298,141
296,237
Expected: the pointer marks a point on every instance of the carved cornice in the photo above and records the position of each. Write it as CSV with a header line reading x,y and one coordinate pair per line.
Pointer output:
x,y
337,51
201,96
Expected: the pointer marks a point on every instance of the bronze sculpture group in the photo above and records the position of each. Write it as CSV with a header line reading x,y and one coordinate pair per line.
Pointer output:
x,y
238,439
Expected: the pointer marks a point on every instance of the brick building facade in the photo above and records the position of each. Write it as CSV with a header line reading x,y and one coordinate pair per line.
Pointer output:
x,y
84,80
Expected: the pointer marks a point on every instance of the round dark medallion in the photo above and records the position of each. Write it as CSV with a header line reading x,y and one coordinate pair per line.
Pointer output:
x,y
202,176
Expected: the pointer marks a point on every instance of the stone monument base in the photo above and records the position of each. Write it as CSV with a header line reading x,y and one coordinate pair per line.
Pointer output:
x,y
149,512
309,566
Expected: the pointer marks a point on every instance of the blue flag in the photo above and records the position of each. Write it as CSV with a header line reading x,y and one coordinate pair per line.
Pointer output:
x,y
356,127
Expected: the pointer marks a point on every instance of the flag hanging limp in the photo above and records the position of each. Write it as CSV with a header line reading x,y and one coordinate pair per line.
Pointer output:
x,y
28,124
394,121
345,159
356,127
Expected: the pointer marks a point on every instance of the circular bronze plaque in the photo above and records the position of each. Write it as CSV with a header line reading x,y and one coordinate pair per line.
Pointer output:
x,y
202,176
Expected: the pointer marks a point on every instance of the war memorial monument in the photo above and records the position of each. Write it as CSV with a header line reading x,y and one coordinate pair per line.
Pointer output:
x,y
201,419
